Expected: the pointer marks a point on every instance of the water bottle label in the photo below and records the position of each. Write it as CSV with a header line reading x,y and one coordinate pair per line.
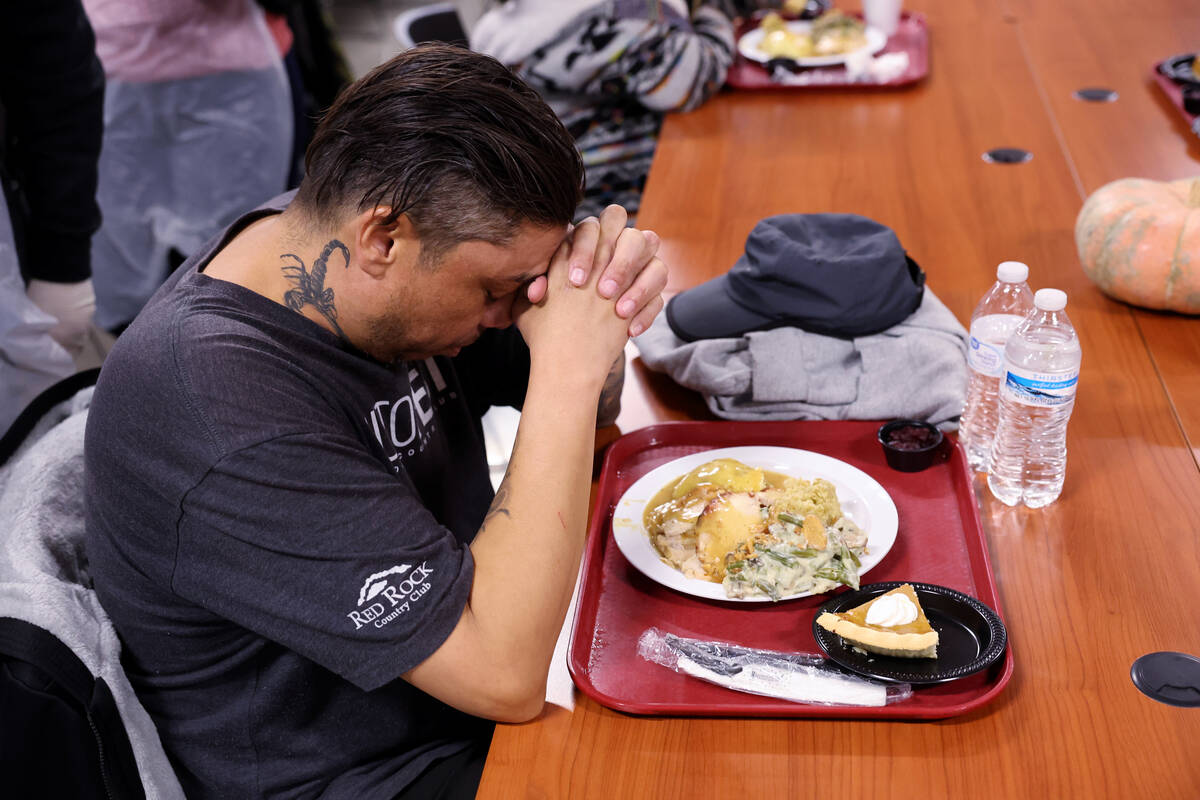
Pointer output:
x,y
985,358
1039,388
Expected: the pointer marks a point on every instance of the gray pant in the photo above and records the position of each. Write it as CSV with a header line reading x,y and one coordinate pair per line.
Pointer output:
x,y
181,160
30,360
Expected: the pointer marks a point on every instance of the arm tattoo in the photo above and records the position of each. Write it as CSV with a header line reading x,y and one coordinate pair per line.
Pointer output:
x,y
610,395
499,502
310,286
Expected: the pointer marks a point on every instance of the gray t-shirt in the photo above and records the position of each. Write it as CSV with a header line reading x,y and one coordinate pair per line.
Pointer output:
x,y
278,527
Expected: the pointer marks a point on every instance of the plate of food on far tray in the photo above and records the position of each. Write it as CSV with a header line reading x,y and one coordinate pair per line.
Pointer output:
x,y
755,524
829,39
1183,69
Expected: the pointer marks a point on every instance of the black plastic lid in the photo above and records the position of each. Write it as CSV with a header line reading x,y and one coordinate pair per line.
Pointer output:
x,y
1097,94
1007,155
1171,678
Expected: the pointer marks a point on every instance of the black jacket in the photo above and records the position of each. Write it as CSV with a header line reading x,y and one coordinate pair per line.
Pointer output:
x,y
51,122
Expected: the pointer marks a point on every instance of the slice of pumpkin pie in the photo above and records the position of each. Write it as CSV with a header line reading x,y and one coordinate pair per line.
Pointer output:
x,y
892,624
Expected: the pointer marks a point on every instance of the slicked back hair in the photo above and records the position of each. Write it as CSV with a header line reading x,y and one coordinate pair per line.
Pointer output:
x,y
450,138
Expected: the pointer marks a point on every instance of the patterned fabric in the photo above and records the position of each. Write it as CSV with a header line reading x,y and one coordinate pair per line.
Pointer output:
x,y
611,73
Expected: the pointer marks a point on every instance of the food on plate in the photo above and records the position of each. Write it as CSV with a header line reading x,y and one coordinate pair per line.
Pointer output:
x,y
832,33
780,42
892,624
730,520
757,533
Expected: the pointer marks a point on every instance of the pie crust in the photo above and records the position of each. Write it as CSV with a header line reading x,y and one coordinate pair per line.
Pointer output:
x,y
916,639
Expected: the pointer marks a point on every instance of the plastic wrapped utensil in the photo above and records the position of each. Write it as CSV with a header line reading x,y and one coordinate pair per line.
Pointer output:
x,y
797,677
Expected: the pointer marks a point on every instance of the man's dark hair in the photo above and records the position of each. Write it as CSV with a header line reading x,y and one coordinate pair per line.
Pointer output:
x,y
450,138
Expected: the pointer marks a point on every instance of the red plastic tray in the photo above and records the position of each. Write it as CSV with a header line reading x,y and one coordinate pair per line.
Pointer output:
x,y
940,541
911,36
1174,92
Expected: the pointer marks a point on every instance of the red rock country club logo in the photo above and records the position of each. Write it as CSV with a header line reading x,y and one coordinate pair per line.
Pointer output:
x,y
385,595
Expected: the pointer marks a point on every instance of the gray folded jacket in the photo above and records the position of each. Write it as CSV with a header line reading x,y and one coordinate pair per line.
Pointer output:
x,y
916,369
44,579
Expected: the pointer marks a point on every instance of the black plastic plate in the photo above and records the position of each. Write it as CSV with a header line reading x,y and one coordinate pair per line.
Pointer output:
x,y
971,636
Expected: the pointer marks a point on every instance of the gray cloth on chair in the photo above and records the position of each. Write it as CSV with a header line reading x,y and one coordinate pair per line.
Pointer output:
x,y
916,369
43,572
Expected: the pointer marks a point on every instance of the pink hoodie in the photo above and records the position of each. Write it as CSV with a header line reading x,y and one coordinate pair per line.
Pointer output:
x,y
157,40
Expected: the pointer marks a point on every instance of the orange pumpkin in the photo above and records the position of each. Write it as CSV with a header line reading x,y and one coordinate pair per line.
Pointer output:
x,y
1139,241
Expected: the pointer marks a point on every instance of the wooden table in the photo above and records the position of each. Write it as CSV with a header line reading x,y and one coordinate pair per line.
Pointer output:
x,y
1108,573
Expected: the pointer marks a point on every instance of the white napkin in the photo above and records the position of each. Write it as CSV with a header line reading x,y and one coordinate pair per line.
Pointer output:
x,y
795,683
862,66
560,689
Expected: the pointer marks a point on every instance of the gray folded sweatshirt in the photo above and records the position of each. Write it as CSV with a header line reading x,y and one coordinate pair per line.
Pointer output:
x,y
44,579
916,370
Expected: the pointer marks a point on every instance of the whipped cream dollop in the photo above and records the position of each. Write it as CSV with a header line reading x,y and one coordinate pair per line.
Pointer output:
x,y
891,610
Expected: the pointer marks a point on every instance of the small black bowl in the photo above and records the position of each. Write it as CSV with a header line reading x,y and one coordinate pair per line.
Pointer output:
x,y
910,445
1191,99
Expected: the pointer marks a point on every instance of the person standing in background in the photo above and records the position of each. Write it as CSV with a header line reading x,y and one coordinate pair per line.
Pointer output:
x,y
197,130
315,66
51,101
610,69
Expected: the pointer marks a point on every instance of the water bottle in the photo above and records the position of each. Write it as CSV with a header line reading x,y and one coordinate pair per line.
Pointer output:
x,y
998,314
1041,362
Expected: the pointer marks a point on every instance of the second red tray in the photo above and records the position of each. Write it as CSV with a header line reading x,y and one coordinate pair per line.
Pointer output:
x,y
1174,92
940,540
911,36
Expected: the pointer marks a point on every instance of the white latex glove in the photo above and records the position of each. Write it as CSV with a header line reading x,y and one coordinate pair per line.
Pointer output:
x,y
72,304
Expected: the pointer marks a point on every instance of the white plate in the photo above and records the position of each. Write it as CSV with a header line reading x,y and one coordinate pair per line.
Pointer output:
x,y
748,46
862,498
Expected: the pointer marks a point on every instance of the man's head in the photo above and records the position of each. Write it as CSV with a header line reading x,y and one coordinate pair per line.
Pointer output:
x,y
452,140
449,184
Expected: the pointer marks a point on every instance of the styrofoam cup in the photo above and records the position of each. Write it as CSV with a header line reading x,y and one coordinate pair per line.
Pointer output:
x,y
882,14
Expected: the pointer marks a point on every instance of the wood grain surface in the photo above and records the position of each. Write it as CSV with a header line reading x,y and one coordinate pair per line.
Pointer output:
x,y
1109,572
1141,135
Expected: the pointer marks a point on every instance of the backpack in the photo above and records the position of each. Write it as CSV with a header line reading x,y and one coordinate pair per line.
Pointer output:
x,y
61,735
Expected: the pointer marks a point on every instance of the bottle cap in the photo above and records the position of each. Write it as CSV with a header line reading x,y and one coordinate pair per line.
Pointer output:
x,y
1050,299
1012,272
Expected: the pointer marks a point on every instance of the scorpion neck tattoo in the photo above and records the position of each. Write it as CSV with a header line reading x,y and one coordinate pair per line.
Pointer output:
x,y
310,286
